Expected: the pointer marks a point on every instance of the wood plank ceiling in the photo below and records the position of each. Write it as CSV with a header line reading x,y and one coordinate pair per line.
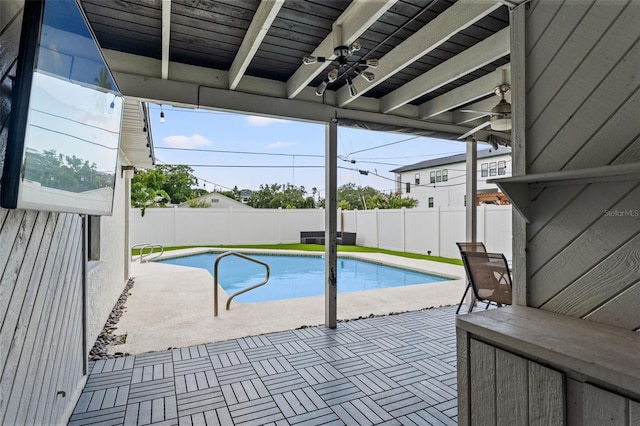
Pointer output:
x,y
436,56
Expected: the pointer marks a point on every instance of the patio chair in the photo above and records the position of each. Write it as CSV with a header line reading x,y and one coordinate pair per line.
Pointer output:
x,y
475,246
489,277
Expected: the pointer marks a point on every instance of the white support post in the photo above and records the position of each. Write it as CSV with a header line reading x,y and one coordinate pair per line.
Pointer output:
x,y
330,225
472,187
471,209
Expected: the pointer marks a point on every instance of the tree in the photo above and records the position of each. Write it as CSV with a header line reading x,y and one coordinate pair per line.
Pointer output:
x,y
390,201
179,182
68,173
162,185
355,197
352,197
281,196
234,194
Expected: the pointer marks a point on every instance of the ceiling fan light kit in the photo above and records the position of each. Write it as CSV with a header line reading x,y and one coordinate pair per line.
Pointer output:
x,y
345,66
501,113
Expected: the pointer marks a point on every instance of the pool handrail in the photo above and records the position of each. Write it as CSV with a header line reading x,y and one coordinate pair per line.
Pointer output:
x,y
144,246
215,278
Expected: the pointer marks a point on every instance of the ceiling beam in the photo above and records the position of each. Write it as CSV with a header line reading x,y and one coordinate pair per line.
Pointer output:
x,y
166,36
260,24
194,95
354,21
138,77
477,56
469,92
457,17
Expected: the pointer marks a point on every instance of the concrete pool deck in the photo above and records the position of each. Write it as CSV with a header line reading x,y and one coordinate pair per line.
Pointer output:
x,y
172,306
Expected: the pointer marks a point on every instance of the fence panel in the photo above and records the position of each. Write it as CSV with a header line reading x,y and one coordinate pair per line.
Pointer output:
x,y
417,231
422,231
452,230
391,229
367,230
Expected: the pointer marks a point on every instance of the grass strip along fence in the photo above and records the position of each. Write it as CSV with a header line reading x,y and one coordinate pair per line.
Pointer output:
x,y
320,248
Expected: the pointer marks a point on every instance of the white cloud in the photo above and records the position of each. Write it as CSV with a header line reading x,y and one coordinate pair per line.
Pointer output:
x,y
255,120
192,141
278,145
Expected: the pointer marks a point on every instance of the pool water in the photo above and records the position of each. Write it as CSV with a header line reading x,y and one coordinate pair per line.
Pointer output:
x,y
300,276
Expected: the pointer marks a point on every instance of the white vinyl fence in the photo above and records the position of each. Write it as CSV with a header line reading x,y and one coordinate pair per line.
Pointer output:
x,y
433,231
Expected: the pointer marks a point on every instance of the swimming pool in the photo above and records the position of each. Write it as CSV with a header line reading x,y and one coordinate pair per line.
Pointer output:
x,y
300,276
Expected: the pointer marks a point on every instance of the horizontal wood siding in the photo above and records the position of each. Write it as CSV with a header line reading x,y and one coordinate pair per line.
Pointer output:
x,y
582,103
40,287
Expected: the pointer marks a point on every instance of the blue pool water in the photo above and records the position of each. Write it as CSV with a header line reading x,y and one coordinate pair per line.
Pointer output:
x,y
300,276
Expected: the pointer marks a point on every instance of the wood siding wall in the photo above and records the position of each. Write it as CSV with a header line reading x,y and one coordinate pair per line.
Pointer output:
x,y
40,287
582,103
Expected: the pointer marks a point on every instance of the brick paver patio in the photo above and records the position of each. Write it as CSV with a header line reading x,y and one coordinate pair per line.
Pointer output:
x,y
392,370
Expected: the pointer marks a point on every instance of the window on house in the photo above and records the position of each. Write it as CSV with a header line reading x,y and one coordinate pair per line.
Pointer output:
x,y
432,177
445,175
215,200
438,175
408,187
502,167
465,200
492,169
430,202
417,178
484,169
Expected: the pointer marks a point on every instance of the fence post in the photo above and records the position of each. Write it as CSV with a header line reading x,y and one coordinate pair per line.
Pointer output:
x,y
403,223
174,235
377,222
482,228
230,225
279,225
439,234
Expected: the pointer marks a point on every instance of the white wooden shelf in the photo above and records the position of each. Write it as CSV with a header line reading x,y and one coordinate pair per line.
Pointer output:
x,y
518,188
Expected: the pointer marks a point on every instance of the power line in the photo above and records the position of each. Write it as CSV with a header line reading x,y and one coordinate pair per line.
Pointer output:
x,y
240,152
413,156
382,146
262,166
198,178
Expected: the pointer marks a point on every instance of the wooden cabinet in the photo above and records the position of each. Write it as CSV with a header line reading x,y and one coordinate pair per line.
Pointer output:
x,y
525,366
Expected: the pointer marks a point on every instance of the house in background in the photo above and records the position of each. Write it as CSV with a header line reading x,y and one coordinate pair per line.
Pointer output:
x,y
440,182
214,200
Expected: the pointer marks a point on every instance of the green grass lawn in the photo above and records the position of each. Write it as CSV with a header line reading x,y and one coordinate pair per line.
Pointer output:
x,y
320,248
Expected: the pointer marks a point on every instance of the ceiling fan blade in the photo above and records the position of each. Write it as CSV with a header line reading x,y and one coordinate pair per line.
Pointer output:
x,y
473,111
475,129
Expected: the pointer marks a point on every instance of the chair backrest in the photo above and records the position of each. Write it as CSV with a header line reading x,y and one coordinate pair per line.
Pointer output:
x,y
475,246
489,276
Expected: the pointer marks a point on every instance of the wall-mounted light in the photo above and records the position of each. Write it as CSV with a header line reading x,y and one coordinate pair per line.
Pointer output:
x,y
161,114
127,171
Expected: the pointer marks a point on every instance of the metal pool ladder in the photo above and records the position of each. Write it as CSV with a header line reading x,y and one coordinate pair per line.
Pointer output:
x,y
152,248
215,279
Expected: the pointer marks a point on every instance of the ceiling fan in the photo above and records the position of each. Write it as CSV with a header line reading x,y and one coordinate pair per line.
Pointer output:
x,y
345,65
500,114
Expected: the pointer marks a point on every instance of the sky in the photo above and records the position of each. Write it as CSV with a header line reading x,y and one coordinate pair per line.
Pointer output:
x,y
227,150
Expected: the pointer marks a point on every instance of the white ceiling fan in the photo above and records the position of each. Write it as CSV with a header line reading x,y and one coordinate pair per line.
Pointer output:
x,y
500,119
